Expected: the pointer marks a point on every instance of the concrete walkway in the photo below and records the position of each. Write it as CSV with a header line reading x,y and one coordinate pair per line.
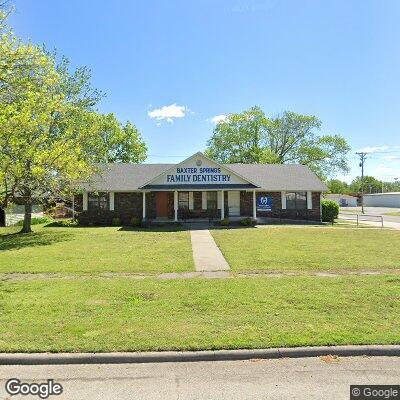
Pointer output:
x,y
207,256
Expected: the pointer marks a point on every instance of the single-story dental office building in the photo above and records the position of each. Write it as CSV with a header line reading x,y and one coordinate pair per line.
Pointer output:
x,y
199,187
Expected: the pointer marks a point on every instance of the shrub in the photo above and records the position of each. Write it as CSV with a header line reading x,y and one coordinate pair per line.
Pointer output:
x,y
116,222
136,222
64,223
224,222
247,221
330,210
37,221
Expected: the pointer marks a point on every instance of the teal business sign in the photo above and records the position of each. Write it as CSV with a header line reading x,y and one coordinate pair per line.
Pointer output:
x,y
264,203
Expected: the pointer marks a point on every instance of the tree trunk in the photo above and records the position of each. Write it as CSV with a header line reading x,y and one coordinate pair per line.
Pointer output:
x,y
26,227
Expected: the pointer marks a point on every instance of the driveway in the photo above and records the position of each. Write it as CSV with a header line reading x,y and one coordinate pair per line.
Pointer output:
x,y
390,221
302,378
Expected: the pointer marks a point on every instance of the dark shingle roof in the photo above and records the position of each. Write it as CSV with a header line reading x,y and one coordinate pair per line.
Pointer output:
x,y
274,177
280,176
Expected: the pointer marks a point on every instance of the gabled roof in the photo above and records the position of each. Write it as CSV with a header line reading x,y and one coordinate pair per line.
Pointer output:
x,y
280,176
199,156
123,177
271,177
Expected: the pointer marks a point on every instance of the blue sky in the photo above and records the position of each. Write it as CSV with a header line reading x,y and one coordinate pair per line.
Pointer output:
x,y
338,60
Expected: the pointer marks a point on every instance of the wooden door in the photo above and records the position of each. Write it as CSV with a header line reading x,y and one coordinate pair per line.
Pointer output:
x,y
162,204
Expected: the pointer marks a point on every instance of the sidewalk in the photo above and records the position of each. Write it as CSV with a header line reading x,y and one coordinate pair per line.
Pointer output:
x,y
207,256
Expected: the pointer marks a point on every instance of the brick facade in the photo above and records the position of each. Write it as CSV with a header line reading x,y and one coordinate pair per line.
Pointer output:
x,y
130,205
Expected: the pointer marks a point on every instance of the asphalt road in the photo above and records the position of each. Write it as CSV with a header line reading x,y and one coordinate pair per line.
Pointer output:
x,y
303,378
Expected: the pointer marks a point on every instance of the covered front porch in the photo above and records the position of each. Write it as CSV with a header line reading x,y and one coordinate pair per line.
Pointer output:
x,y
184,205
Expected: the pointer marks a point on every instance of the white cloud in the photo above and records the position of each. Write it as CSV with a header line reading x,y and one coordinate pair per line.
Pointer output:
x,y
378,149
168,112
375,149
390,158
219,118
383,172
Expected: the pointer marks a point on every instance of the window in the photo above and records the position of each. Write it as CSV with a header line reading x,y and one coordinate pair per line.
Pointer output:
x,y
183,200
98,201
212,200
296,200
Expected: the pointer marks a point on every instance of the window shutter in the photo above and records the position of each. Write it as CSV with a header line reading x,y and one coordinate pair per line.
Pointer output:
x,y
111,201
85,201
204,200
309,200
191,201
283,194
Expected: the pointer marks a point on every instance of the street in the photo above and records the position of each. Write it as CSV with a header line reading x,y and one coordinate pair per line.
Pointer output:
x,y
303,378
390,221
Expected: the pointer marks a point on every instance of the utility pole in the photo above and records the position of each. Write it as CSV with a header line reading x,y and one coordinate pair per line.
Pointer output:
x,y
363,157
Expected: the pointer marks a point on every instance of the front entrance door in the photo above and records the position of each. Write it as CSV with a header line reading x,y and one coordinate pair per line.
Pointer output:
x,y
162,204
234,203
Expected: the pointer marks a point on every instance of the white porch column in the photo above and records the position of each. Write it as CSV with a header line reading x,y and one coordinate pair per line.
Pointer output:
x,y
254,205
144,205
222,205
175,205
85,201
111,201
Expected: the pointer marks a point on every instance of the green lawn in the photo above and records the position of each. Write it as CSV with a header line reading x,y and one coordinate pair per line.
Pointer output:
x,y
394,214
99,314
308,249
89,250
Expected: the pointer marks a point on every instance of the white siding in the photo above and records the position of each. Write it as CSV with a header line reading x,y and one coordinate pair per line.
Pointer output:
x,y
382,200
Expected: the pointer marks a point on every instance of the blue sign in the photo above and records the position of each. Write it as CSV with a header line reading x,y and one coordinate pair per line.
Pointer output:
x,y
264,203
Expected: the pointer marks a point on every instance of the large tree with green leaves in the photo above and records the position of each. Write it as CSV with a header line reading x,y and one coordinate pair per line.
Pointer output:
x,y
338,186
119,143
49,130
252,137
44,136
371,184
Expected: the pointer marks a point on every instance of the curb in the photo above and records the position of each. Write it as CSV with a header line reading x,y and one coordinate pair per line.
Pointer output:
x,y
192,356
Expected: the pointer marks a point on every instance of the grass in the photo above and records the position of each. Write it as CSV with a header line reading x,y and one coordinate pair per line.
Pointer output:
x,y
98,314
394,214
90,250
305,249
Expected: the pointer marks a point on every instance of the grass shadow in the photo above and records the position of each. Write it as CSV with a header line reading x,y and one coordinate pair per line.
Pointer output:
x,y
16,241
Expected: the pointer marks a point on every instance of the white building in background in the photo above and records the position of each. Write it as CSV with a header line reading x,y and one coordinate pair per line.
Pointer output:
x,y
14,213
390,199
344,200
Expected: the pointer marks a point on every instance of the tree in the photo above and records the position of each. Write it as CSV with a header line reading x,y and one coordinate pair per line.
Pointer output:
x,y
337,186
251,137
371,185
45,136
120,143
